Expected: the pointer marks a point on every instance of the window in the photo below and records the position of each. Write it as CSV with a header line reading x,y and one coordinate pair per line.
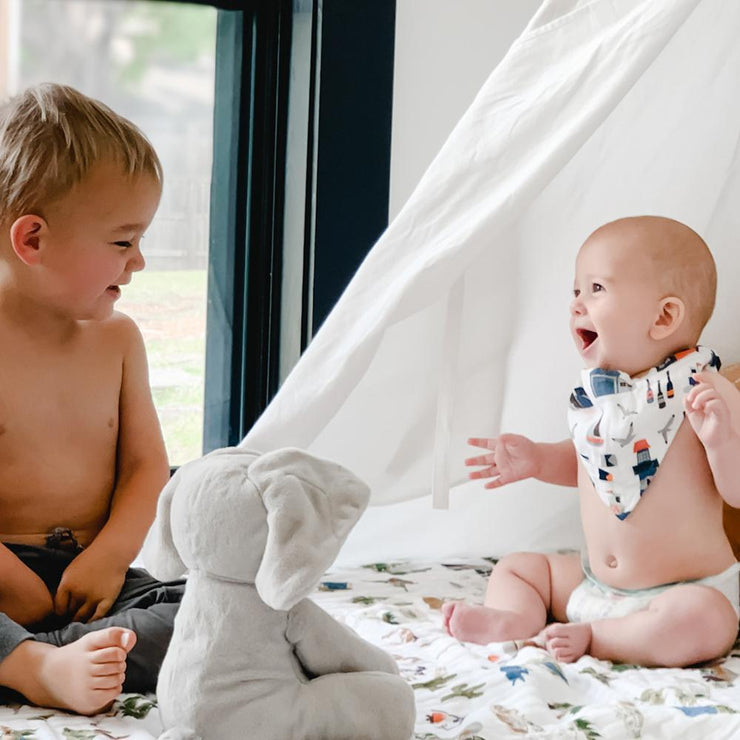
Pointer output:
x,y
289,102
154,63
303,110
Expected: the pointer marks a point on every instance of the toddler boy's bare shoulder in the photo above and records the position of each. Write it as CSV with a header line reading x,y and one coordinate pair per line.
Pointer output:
x,y
119,329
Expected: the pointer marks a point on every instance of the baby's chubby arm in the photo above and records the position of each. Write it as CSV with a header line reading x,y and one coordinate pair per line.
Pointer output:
x,y
513,457
713,410
92,582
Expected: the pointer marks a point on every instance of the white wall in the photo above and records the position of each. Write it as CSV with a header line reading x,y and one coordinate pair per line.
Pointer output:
x,y
445,50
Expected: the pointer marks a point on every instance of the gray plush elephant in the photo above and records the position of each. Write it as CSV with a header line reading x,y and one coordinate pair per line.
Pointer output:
x,y
250,656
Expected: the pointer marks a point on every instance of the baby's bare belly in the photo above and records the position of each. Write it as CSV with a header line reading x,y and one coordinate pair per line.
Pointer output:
x,y
674,534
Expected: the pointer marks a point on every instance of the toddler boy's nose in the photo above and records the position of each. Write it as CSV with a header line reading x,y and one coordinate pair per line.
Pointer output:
x,y
136,261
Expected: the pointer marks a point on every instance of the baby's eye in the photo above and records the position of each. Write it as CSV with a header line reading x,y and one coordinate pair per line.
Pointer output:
x,y
596,287
576,292
122,244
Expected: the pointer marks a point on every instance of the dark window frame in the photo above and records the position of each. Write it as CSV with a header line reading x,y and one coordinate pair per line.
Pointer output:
x,y
347,140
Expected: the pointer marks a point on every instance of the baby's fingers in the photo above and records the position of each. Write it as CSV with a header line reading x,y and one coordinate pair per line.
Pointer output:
x,y
481,460
699,397
487,443
495,483
488,472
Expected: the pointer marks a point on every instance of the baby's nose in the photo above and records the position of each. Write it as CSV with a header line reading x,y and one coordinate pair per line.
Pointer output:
x,y
576,306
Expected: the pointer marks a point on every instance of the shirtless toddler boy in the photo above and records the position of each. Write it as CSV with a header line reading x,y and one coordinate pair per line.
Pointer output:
x,y
657,437
81,453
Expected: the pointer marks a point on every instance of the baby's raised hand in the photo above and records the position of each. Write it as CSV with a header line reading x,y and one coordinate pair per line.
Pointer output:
x,y
708,412
511,458
89,586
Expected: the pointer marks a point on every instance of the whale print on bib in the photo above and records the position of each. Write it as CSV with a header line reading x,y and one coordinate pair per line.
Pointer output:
x,y
622,426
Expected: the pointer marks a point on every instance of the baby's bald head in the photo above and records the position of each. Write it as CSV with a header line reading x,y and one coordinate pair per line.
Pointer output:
x,y
684,266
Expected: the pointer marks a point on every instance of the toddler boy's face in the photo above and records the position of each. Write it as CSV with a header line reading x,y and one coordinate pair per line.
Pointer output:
x,y
93,239
615,302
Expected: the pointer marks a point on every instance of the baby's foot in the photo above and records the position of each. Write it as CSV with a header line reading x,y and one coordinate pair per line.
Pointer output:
x,y
83,677
479,623
567,642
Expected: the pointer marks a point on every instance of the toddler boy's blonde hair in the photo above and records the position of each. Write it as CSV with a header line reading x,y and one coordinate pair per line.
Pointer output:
x,y
50,138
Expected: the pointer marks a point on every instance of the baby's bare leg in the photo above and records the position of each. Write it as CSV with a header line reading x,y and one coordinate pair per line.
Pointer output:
x,y
84,676
685,625
523,589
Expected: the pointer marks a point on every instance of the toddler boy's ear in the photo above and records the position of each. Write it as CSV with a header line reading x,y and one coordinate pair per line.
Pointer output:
x,y
25,237
311,505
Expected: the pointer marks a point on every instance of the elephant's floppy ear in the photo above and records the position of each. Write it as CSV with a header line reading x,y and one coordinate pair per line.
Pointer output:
x,y
159,552
311,505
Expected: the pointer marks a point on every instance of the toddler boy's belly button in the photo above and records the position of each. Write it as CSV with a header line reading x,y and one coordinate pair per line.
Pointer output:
x,y
611,561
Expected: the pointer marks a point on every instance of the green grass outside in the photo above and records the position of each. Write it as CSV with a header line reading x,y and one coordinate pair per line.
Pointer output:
x,y
170,308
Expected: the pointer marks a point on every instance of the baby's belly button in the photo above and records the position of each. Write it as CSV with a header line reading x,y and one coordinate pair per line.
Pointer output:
x,y
611,561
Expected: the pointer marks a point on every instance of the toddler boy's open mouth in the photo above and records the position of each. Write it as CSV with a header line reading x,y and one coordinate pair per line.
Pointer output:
x,y
587,337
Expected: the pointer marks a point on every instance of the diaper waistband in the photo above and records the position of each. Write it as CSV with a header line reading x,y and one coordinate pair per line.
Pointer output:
x,y
588,574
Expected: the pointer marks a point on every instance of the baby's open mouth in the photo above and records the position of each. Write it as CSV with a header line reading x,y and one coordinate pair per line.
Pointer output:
x,y
587,337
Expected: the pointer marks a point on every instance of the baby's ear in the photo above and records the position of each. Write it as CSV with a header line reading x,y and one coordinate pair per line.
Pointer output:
x,y
671,315
25,236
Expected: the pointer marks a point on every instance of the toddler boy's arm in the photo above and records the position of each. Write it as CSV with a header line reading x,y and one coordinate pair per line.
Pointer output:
x,y
23,595
143,469
713,410
93,580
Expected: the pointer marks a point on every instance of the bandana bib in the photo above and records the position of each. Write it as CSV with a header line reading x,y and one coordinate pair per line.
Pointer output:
x,y
623,426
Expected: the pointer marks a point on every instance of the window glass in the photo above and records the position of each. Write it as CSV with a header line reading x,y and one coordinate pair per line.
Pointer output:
x,y
153,62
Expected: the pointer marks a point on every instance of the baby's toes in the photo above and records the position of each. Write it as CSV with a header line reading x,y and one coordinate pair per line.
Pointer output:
x,y
448,609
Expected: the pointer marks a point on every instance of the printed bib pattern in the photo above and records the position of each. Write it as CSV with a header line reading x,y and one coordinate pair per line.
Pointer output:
x,y
622,426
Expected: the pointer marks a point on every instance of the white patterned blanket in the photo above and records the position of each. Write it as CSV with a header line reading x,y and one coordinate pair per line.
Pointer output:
x,y
466,691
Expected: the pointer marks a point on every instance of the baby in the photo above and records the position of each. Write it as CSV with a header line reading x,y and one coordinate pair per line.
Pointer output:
x,y
656,435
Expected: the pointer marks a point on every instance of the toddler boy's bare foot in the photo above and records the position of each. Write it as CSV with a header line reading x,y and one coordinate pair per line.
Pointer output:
x,y
83,677
567,642
479,623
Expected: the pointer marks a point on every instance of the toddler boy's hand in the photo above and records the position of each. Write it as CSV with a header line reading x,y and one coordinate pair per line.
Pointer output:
x,y
88,587
708,412
512,457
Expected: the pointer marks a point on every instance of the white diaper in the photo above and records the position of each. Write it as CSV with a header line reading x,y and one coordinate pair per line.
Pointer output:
x,y
592,599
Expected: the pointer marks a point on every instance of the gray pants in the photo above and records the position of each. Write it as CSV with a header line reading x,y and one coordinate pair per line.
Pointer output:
x,y
145,605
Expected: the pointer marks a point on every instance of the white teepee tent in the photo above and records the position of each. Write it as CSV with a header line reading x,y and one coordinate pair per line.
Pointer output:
x,y
456,323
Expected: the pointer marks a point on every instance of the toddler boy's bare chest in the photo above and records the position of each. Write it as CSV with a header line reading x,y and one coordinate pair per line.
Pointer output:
x,y
58,406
